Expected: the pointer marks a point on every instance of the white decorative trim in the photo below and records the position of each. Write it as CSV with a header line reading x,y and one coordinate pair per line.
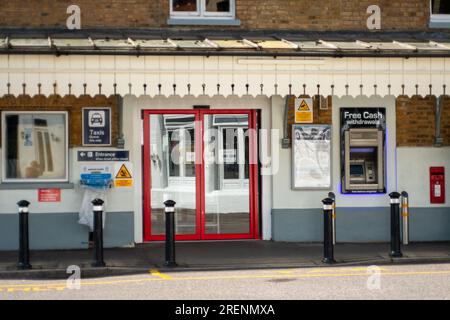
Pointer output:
x,y
200,75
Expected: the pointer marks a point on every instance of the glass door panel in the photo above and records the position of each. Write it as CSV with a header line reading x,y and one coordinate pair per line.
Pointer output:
x,y
226,174
201,159
173,171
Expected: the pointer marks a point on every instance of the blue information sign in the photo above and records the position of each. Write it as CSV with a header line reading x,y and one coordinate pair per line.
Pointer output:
x,y
104,155
96,126
96,180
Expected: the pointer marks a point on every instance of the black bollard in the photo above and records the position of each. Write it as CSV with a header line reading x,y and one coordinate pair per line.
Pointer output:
x,y
24,247
170,233
328,248
333,196
98,233
395,225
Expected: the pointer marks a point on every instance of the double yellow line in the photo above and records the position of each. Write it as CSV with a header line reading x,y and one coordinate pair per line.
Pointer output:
x,y
156,275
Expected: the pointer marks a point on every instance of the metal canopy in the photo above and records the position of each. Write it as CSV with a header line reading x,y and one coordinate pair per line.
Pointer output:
x,y
223,46
223,62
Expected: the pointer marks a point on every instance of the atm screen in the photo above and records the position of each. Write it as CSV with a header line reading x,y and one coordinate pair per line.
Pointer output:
x,y
356,170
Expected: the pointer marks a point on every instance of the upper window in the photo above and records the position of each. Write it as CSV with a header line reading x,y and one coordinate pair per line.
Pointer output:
x,y
439,12
202,8
35,146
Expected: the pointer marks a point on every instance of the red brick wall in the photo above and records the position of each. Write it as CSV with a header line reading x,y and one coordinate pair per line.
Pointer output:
x,y
320,116
71,104
445,121
416,121
254,14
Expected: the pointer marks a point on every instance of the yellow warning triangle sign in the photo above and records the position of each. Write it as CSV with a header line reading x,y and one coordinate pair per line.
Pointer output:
x,y
303,106
123,173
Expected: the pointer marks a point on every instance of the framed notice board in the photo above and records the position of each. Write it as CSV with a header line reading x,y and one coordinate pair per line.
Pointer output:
x,y
311,156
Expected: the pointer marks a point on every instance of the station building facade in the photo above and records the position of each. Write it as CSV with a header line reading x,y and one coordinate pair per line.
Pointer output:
x,y
247,119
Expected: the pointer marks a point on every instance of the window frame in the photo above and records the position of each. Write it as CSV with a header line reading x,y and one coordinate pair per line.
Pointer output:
x,y
182,165
201,12
240,157
4,179
436,18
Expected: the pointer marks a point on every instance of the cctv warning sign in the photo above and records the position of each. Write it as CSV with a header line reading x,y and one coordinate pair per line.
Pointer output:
x,y
124,177
303,110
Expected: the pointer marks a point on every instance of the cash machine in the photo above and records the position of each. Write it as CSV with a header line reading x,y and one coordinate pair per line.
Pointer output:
x,y
364,170
363,152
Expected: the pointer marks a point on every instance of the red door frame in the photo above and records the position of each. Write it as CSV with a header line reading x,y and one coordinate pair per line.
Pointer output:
x,y
200,179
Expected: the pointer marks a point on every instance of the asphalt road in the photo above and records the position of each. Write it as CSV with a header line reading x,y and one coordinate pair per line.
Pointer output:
x,y
384,282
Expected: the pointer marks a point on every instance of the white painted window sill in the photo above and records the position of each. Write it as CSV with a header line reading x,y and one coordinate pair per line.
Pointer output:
x,y
439,23
181,21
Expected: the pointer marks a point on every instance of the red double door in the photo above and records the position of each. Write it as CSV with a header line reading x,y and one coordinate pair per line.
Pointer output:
x,y
207,162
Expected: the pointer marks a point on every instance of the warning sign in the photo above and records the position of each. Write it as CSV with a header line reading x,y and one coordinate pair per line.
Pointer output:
x,y
303,110
303,106
123,173
124,177
123,183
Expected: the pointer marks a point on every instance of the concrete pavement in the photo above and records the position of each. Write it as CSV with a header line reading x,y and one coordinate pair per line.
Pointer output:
x,y
224,255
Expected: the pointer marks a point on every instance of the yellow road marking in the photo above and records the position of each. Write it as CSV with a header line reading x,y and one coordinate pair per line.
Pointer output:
x,y
326,270
163,276
285,271
61,286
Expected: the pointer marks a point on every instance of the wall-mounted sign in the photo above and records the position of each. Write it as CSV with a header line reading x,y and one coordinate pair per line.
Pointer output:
x,y
98,176
311,156
363,118
102,155
96,126
123,177
303,110
49,195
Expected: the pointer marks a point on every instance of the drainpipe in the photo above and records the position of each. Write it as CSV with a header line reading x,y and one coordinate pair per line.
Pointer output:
x,y
438,140
120,139
286,142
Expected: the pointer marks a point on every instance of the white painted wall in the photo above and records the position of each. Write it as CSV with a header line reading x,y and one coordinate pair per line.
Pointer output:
x,y
284,197
413,173
133,130
118,199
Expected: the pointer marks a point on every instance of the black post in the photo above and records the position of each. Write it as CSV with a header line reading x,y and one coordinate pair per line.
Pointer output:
x,y
332,195
24,247
170,233
395,225
98,233
328,248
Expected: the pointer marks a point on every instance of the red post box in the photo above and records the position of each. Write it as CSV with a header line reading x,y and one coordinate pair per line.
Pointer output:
x,y
437,184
